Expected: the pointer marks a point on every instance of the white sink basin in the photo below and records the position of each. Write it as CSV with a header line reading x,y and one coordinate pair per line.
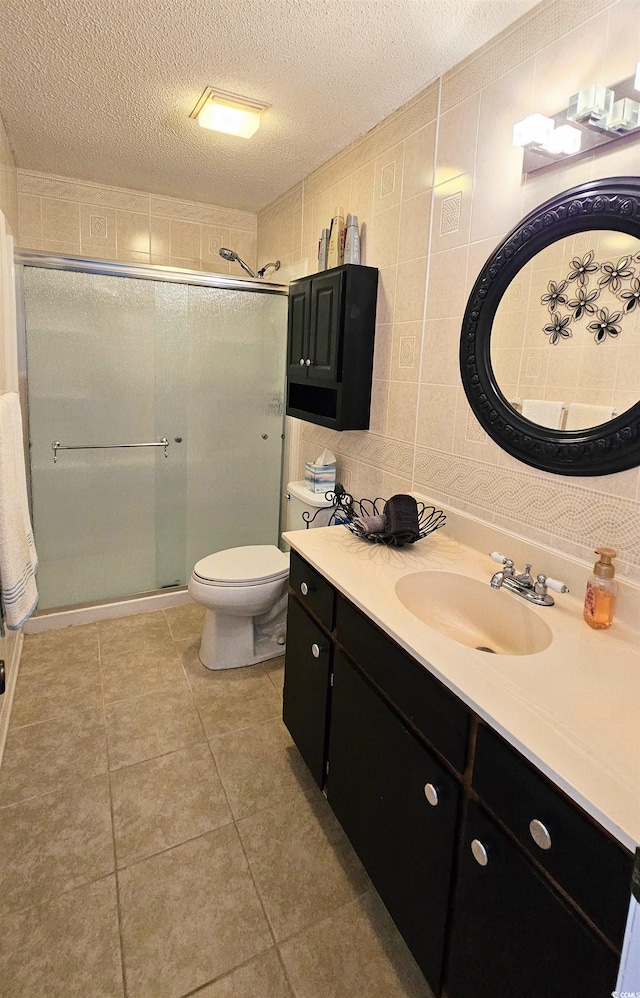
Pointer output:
x,y
474,614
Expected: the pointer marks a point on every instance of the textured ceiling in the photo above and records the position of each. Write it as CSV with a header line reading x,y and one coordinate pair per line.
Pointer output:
x,y
101,90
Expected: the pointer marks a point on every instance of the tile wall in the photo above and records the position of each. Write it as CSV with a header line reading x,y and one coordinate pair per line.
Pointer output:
x,y
109,223
8,183
436,186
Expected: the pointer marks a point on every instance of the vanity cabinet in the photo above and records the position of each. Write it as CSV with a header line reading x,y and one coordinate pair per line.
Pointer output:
x,y
330,335
499,884
512,934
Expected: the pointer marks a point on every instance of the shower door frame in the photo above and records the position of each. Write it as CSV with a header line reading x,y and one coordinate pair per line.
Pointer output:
x,y
146,272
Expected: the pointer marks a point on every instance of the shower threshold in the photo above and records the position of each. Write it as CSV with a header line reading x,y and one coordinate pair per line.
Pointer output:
x,y
66,616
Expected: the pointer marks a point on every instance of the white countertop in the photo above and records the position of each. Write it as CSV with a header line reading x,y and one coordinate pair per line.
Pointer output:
x,y
573,710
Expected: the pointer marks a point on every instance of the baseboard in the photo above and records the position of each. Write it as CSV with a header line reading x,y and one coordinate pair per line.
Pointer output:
x,y
6,700
51,620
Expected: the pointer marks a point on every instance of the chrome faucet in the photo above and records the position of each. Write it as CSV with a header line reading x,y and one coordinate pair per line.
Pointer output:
x,y
523,584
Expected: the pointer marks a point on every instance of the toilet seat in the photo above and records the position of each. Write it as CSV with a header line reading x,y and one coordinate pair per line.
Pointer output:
x,y
250,565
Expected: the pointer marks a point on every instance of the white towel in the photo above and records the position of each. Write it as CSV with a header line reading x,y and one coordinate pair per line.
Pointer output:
x,y
18,559
581,416
543,413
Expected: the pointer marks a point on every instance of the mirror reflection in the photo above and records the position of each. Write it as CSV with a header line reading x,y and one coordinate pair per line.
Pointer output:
x,y
565,341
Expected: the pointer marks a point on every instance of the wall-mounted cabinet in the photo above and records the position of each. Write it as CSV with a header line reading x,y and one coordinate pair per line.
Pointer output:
x,y
330,338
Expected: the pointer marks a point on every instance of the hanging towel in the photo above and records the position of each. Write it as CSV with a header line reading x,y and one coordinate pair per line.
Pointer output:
x,y
401,512
18,560
543,413
581,416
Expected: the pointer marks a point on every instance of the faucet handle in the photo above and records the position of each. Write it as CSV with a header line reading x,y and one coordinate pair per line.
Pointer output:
x,y
499,558
543,583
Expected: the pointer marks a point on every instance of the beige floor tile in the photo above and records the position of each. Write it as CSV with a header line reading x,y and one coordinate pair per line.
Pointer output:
x,y
127,634
189,915
67,948
259,767
185,621
356,952
223,714
224,684
302,863
149,726
274,668
163,802
52,647
144,669
52,754
56,689
55,842
264,977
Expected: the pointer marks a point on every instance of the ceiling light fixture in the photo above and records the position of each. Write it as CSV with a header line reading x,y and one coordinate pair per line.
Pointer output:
x,y
598,115
229,113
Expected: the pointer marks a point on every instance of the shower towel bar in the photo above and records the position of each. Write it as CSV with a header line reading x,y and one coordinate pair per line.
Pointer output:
x,y
56,446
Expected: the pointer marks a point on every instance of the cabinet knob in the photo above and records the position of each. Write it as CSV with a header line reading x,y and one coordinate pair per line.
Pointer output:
x,y
540,834
479,852
431,794
302,362
316,650
308,362
304,588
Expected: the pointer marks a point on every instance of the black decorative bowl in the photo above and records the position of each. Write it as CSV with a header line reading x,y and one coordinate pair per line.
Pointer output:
x,y
429,519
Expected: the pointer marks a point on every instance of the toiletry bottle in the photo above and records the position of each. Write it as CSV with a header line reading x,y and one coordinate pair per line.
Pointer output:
x,y
336,240
352,240
323,248
600,598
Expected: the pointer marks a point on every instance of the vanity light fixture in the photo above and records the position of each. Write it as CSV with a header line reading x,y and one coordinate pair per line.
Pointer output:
x,y
230,113
595,116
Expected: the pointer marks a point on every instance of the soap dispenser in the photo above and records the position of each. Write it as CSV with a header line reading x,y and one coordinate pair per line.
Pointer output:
x,y
600,597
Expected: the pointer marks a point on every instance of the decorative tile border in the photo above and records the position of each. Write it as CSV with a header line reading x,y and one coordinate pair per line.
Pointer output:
x,y
582,517
194,211
393,456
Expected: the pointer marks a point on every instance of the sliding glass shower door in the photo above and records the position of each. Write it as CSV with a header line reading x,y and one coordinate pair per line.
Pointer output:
x,y
193,377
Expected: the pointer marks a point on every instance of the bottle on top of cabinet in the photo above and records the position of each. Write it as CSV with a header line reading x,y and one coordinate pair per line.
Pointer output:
x,y
335,255
600,597
352,240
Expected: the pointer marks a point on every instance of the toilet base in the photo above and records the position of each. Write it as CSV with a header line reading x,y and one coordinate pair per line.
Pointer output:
x,y
229,642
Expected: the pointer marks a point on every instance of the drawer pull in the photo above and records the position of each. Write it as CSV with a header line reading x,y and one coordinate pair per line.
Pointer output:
x,y
316,650
479,852
540,834
304,588
431,793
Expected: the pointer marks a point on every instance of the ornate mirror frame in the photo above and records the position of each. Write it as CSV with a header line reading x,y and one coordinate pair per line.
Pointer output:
x,y
601,450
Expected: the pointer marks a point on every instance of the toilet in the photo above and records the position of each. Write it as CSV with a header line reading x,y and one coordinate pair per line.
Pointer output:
x,y
244,591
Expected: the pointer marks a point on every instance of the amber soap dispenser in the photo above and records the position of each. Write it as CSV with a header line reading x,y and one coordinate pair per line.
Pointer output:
x,y
600,597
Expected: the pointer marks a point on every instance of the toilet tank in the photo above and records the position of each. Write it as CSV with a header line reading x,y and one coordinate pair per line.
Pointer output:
x,y
300,500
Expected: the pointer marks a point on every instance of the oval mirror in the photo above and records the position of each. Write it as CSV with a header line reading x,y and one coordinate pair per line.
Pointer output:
x,y
550,346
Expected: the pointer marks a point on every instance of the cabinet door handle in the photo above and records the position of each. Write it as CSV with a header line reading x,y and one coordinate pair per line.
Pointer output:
x,y
302,362
308,361
317,650
2,681
431,793
479,852
540,834
304,588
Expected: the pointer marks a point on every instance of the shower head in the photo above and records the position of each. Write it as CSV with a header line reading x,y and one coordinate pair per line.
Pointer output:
x,y
232,257
269,266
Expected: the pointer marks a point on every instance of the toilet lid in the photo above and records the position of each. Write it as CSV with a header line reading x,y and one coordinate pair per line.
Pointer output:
x,y
243,566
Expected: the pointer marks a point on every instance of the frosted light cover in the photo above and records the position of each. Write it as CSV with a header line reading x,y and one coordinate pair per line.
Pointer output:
x,y
591,104
532,131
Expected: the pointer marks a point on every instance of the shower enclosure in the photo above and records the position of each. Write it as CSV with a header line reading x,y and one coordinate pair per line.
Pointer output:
x,y
155,422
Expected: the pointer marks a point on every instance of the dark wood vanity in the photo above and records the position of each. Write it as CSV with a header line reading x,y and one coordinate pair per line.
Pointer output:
x,y
500,885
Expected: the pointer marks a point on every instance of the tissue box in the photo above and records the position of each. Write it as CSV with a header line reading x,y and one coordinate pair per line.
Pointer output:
x,y
319,477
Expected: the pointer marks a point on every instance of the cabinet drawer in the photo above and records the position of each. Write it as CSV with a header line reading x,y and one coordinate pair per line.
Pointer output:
x,y
593,869
314,591
434,712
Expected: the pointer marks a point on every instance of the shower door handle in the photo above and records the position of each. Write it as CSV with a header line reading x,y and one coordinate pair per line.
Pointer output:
x,y
56,446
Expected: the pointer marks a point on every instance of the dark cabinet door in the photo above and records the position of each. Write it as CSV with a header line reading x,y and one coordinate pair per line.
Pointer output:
x,y
376,784
511,934
325,327
307,670
299,315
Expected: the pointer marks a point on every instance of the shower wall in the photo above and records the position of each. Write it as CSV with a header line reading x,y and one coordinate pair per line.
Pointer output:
x,y
115,360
